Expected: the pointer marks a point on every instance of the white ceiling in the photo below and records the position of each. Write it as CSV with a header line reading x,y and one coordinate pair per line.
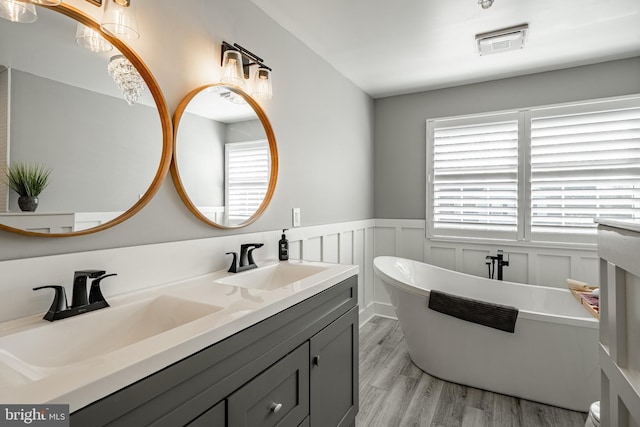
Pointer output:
x,y
403,46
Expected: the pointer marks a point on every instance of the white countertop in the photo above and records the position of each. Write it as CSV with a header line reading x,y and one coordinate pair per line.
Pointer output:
x,y
87,379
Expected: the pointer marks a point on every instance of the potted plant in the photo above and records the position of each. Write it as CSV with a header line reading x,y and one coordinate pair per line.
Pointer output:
x,y
28,180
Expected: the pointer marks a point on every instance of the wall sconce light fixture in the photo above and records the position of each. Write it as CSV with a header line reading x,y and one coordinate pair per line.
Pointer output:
x,y
119,19
236,70
91,39
18,11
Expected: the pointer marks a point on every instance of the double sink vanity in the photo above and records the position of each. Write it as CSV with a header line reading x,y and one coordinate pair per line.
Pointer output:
x,y
275,344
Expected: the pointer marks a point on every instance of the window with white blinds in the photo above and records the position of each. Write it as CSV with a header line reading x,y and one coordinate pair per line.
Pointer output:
x,y
540,174
247,171
474,178
583,167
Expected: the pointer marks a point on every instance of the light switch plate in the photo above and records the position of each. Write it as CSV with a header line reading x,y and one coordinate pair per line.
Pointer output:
x,y
296,217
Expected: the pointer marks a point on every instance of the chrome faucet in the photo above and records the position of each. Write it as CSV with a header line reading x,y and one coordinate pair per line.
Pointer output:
x,y
80,303
246,261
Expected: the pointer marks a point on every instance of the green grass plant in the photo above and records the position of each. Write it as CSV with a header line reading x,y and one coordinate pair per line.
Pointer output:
x,y
27,179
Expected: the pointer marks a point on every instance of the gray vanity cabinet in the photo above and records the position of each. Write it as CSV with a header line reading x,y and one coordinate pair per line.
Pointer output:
x,y
334,373
296,368
215,416
277,397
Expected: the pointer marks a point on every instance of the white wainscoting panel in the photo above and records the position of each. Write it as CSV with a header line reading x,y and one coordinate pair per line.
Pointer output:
x,y
552,267
537,264
355,242
346,243
312,249
474,261
140,267
619,324
443,257
412,243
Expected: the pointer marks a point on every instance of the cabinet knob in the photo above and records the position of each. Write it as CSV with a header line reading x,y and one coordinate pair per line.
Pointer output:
x,y
316,360
275,407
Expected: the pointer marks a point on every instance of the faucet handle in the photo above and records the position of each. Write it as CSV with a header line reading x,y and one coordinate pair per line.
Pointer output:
x,y
92,274
79,297
250,252
95,294
234,262
59,301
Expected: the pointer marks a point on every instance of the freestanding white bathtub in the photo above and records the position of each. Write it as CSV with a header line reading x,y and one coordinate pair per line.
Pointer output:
x,y
552,357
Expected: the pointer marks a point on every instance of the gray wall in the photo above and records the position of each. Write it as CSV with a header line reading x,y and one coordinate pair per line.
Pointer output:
x,y
200,154
4,134
103,153
400,122
247,130
322,122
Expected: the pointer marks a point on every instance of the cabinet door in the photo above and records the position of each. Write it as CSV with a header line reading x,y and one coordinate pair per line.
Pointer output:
x,y
334,373
277,397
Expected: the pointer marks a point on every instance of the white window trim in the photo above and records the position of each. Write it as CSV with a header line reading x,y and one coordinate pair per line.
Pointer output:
x,y
463,121
525,115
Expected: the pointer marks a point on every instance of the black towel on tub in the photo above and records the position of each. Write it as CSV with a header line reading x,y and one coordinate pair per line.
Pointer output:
x,y
495,316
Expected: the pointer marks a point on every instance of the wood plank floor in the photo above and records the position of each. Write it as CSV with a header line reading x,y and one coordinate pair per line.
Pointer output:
x,y
394,392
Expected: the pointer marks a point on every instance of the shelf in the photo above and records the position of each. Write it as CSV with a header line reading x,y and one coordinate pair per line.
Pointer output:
x,y
588,301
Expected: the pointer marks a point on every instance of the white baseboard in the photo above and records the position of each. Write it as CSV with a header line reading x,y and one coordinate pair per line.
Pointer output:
x,y
366,314
384,310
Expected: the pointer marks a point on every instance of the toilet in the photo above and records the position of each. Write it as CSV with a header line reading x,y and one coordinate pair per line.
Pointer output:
x,y
593,420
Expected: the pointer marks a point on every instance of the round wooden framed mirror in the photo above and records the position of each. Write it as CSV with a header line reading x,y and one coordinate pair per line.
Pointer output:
x,y
66,112
225,159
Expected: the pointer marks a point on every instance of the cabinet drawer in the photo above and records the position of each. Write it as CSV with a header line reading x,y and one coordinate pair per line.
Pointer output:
x,y
213,417
277,397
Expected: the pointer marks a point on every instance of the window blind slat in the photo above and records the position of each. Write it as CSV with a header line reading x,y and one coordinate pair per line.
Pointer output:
x,y
475,176
584,166
247,179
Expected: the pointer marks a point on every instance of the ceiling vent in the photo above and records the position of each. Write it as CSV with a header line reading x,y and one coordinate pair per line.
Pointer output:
x,y
504,40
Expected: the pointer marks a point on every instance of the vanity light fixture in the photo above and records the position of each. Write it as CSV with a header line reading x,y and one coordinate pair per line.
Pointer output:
x,y
91,39
126,77
18,11
119,19
236,64
262,84
486,4
232,72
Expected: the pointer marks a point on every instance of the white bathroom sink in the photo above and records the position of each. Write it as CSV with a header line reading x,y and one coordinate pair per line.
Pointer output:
x,y
273,276
37,352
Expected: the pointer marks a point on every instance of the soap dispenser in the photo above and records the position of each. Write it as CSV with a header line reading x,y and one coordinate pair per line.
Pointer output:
x,y
283,247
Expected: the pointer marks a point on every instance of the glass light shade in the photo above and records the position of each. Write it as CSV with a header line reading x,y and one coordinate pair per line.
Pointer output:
x,y
262,84
18,11
486,4
46,2
126,77
232,68
91,39
119,19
